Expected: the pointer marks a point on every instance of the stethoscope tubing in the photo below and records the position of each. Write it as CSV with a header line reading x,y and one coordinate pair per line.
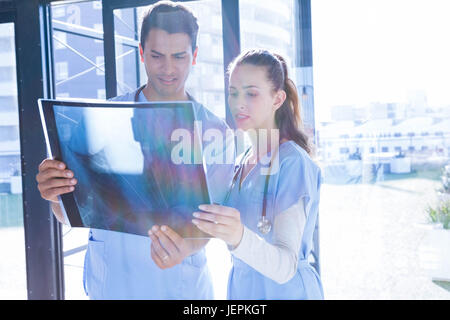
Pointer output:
x,y
266,183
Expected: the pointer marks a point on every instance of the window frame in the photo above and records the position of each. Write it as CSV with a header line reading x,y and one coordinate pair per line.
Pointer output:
x,y
43,241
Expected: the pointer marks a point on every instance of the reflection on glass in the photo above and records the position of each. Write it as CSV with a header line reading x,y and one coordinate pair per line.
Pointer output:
x,y
78,50
264,25
79,72
127,50
383,141
129,169
125,23
12,250
127,64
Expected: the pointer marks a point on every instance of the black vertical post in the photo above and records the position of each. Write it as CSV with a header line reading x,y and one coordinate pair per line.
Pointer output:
x,y
109,50
231,43
137,54
304,54
305,62
43,246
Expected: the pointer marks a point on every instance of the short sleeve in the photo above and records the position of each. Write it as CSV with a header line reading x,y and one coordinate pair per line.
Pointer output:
x,y
299,177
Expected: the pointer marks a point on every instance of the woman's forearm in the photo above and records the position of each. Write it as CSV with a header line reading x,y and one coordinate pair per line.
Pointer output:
x,y
277,261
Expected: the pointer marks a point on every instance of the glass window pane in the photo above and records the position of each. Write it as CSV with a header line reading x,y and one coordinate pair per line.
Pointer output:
x,y
12,250
381,73
127,66
79,72
264,25
78,50
126,23
127,50
206,81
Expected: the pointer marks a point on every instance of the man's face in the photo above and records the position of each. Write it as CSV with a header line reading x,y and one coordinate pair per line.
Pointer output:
x,y
168,59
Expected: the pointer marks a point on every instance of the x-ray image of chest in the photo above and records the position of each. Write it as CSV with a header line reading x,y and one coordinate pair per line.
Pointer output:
x,y
123,161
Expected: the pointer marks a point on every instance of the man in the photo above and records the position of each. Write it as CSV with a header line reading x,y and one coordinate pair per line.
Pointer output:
x,y
117,265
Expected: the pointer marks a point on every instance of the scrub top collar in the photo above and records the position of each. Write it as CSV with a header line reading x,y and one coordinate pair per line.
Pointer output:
x,y
140,97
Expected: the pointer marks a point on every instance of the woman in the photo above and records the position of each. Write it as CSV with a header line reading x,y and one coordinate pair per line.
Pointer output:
x,y
269,216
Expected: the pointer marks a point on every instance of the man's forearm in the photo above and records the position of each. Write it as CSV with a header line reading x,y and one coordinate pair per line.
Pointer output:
x,y
57,211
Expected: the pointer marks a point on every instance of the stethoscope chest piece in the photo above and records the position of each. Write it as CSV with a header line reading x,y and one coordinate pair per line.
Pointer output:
x,y
264,225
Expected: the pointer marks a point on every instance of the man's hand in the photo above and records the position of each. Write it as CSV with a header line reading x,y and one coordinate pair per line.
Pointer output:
x,y
53,180
168,248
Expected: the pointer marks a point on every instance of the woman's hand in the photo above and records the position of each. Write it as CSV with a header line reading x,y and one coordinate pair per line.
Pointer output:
x,y
221,222
168,248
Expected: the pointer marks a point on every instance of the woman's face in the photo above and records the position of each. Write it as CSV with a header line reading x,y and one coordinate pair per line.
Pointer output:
x,y
252,99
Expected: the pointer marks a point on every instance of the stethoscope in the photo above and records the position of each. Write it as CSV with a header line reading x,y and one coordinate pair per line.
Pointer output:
x,y
264,225
138,92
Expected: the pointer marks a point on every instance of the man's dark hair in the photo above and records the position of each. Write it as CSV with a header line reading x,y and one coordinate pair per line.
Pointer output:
x,y
171,17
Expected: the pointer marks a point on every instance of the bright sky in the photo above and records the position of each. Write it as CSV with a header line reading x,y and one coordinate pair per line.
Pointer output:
x,y
380,51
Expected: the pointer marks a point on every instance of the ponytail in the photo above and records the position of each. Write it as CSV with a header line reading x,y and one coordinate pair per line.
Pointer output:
x,y
288,116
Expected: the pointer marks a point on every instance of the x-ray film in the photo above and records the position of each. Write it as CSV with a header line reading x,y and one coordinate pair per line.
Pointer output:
x,y
137,164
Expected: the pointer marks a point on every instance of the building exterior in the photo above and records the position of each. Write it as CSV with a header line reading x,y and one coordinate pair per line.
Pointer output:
x,y
399,128
10,170
416,136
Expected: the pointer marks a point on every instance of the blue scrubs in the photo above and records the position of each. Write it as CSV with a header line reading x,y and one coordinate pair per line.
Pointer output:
x,y
119,266
298,177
